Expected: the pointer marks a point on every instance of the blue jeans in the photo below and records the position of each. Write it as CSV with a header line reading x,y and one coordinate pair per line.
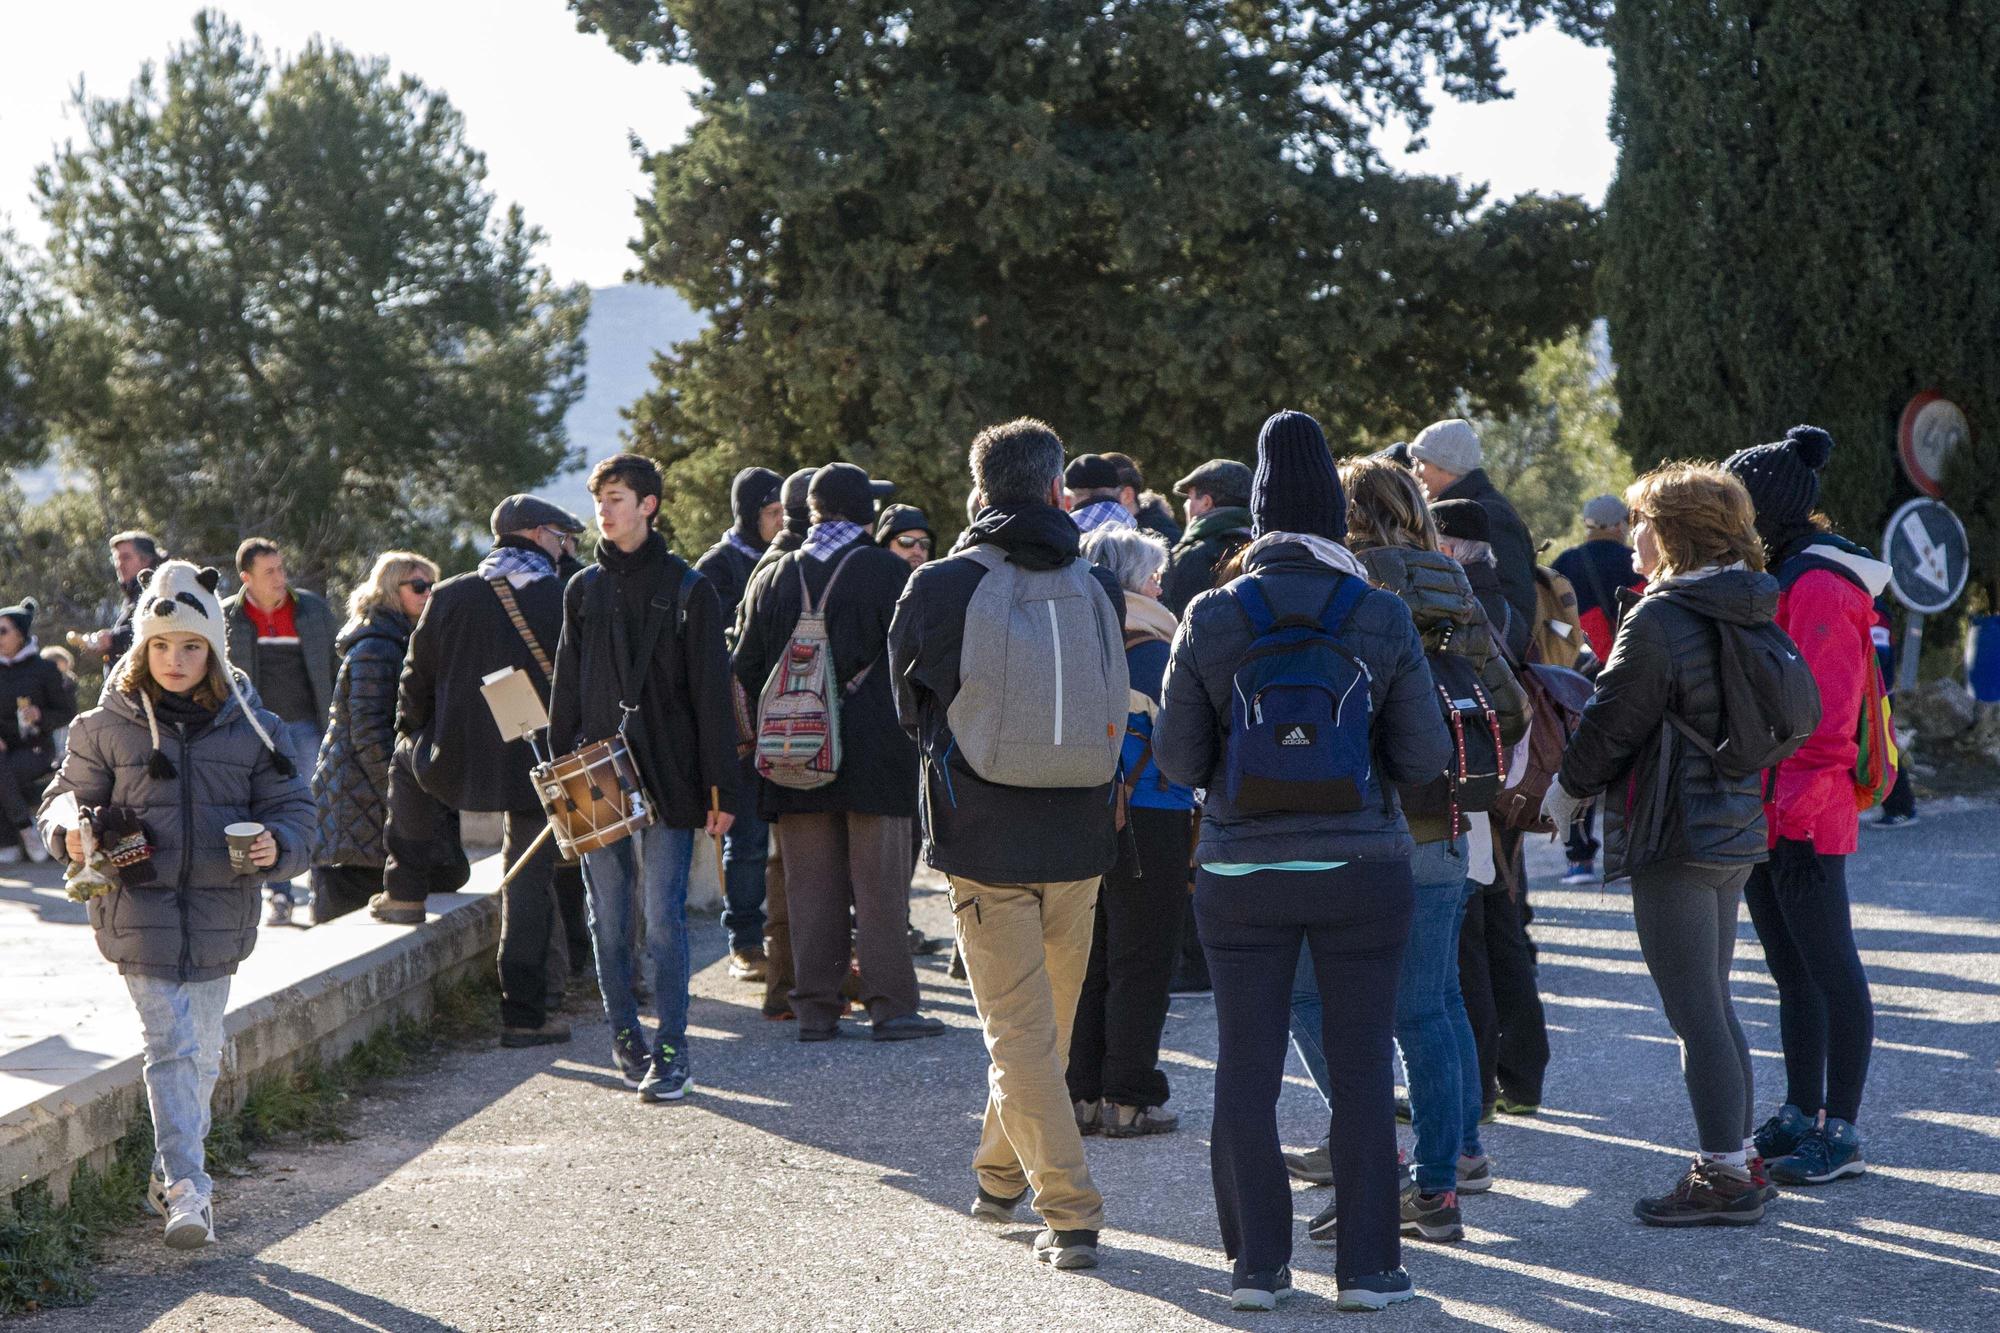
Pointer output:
x,y
302,739
745,848
1431,1025
652,862
182,1022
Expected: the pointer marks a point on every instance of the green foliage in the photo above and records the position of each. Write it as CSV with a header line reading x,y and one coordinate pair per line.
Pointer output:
x,y
23,433
1803,228
289,308
1148,223
1558,449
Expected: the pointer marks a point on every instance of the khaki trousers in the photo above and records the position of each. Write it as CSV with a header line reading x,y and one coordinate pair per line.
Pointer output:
x,y
1026,948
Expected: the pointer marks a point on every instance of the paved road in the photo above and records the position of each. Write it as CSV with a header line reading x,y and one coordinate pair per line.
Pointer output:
x,y
825,1187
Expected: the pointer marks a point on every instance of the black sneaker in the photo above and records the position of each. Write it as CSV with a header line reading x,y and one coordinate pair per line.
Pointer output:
x,y
628,1053
906,1027
1710,1194
1892,821
1067,1249
996,1207
1827,1152
1323,1227
1261,1291
1432,1216
667,1077
1377,1291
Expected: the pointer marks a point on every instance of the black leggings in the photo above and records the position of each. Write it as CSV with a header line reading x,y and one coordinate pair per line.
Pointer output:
x,y
1799,902
1686,918
1114,1049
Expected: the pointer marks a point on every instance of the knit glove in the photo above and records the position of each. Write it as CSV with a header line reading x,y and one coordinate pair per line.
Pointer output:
x,y
1559,807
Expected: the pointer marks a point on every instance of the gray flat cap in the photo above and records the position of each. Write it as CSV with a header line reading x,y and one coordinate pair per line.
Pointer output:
x,y
1604,511
1224,478
518,513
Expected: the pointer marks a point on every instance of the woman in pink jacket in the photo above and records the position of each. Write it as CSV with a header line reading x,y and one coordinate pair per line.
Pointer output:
x,y
1798,899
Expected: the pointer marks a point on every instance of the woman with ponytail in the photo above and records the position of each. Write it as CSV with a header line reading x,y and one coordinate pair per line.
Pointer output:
x,y
173,755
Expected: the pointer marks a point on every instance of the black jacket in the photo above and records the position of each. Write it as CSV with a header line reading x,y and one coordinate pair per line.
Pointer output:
x,y
456,751
317,628
1201,550
121,628
878,766
1156,517
727,567
684,735
974,828
1512,546
1508,626
1663,799
350,783
39,681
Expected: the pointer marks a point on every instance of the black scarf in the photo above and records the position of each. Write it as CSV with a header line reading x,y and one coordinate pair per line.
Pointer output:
x,y
649,553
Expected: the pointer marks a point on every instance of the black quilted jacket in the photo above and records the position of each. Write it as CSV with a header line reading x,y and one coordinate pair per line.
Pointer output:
x,y
350,785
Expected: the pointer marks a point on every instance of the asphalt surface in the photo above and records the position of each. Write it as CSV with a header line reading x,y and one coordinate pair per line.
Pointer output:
x,y
825,1187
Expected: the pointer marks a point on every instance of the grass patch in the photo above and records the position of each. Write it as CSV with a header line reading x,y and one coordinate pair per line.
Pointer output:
x,y
47,1249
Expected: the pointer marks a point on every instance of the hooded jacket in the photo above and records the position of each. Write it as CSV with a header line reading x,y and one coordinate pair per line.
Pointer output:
x,y
1826,602
973,828
1664,800
1410,742
350,784
198,919
1201,550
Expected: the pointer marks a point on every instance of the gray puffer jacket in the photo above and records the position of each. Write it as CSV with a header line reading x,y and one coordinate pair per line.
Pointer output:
x,y
1410,741
198,919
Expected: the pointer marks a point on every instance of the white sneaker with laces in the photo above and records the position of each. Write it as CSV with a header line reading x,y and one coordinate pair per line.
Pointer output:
x,y
190,1217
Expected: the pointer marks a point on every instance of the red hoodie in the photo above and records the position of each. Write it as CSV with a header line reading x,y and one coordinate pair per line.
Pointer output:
x,y
1829,610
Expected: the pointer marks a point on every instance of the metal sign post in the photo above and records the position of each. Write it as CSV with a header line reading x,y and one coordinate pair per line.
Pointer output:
x,y
1928,562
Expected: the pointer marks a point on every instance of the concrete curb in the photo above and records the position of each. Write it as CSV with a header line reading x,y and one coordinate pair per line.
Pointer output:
x,y
373,975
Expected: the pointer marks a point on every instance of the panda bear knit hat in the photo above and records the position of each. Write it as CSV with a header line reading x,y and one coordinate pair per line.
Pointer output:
x,y
177,598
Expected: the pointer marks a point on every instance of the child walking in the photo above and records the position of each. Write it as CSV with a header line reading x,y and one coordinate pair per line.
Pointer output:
x,y
176,746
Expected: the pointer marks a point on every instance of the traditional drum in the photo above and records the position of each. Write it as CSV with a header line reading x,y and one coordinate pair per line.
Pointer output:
x,y
593,797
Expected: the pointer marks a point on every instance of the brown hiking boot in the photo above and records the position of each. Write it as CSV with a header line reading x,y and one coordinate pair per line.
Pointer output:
x,y
395,912
1131,1122
751,964
1710,1194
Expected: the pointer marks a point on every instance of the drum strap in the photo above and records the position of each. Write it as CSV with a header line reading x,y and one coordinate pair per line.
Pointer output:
x,y
505,591
629,666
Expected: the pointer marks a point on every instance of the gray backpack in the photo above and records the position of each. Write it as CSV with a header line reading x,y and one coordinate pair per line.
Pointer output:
x,y
1042,693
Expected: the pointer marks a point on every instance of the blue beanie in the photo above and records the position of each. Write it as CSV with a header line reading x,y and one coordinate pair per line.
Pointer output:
x,y
1296,488
1783,478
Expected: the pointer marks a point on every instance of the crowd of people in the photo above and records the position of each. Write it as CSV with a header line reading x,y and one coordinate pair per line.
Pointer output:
x,y
1293,744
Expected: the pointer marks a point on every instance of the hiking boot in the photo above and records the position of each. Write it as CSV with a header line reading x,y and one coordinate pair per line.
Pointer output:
x,y
1827,1152
1067,1249
1314,1165
748,964
1475,1174
1089,1117
553,1032
906,1027
1581,872
1131,1122
190,1217
996,1207
392,912
1508,1106
1261,1291
628,1053
668,1078
1378,1291
1710,1194
1760,1176
1782,1133
1431,1216
1322,1226
922,945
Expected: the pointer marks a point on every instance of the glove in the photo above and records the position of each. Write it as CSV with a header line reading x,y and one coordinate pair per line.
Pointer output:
x,y
1559,807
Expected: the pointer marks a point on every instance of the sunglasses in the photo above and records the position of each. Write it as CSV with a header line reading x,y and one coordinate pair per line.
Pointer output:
x,y
912,542
418,586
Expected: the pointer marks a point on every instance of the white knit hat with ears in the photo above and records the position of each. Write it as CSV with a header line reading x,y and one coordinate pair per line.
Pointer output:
x,y
177,598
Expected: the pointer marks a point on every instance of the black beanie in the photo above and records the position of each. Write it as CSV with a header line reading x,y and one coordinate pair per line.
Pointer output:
x,y
1465,520
842,490
794,493
23,615
1783,480
1295,488
753,488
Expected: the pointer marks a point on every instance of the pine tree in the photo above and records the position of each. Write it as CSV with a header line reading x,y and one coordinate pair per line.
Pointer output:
x,y
1803,228
1149,223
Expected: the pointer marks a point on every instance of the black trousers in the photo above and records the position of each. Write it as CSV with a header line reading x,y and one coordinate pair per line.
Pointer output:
x,y
1902,798
338,890
426,854
1496,974
1826,1015
1580,841
20,770
1114,1049
534,945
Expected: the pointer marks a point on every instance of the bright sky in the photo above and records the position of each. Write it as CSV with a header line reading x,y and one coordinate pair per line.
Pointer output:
x,y
552,108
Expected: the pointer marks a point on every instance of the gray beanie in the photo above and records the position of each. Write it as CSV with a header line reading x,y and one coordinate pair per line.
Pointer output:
x,y
1452,445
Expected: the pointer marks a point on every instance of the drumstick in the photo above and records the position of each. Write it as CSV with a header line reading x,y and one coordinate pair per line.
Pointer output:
x,y
524,858
715,804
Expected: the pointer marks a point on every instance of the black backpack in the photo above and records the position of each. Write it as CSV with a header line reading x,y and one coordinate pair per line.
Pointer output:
x,y
1477,768
1770,702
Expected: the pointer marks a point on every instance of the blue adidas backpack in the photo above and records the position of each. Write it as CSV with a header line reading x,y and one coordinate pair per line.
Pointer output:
x,y
1301,717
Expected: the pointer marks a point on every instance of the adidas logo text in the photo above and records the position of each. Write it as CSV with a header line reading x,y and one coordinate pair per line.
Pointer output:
x,y
1296,736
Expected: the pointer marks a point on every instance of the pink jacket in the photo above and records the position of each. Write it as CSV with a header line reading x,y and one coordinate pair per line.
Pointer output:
x,y
1829,610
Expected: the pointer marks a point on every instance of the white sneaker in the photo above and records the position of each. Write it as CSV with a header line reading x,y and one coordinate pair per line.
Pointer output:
x,y
32,845
277,911
190,1217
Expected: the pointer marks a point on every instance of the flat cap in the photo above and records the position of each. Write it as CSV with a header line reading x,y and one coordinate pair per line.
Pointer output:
x,y
518,513
1224,478
1604,511
1091,472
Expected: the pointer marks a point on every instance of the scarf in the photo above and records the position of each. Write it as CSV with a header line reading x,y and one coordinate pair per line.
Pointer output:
x,y
34,649
829,536
1145,615
743,544
1101,514
1327,552
519,565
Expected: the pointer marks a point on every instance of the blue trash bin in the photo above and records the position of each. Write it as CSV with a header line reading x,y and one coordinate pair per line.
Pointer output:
x,y
1982,658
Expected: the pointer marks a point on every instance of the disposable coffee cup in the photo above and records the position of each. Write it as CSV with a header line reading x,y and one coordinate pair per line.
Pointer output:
x,y
240,837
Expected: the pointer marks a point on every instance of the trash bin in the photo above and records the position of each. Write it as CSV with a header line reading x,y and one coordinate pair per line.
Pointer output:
x,y
1982,658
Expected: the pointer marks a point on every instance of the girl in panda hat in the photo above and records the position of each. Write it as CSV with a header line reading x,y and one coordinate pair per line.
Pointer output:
x,y
176,744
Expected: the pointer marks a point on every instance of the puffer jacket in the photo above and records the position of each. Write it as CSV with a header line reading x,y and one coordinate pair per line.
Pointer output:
x,y
350,783
1826,602
198,920
1663,798
1450,619
1410,741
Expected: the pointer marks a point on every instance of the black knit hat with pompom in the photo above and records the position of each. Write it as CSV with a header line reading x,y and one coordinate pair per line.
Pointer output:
x,y
1783,478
